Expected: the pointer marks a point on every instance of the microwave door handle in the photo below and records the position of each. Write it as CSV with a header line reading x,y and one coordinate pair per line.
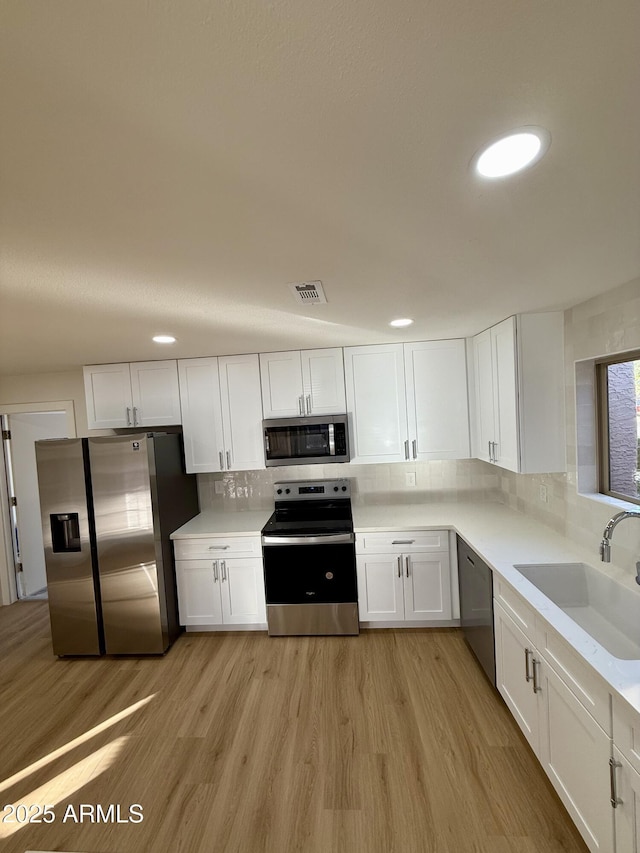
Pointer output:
x,y
332,440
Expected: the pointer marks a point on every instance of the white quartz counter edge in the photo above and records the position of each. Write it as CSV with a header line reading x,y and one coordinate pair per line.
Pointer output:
x,y
501,536
505,538
211,524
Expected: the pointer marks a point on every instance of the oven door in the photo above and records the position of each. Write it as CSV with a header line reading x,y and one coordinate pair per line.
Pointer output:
x,y
309,569
310,585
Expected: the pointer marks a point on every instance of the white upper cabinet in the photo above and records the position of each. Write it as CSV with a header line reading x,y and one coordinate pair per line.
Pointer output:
x,y
518,413
376,403
306,383
437,404
221,413
141,394
407,401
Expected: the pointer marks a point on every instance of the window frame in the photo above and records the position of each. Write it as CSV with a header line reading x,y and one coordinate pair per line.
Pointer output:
x,y
602,426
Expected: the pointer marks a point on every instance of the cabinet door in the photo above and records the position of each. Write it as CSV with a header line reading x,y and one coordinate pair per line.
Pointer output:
x,y
107,389
574,751
198,584
505,394
380,587
241,412
281,379
155,393
242,588
627,812
427,589
511,675
376,401
437,404
483,386
323,381
201,415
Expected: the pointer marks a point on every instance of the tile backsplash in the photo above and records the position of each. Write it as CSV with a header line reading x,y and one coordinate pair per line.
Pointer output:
x,y
451,480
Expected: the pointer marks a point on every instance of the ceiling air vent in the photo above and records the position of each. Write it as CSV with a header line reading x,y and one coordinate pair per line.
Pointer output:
x,y
308,292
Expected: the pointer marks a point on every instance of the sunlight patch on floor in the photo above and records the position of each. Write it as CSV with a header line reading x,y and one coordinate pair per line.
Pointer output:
x,y
72,744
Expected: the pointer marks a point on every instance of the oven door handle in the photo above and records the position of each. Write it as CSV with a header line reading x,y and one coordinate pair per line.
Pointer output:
x,y
326,539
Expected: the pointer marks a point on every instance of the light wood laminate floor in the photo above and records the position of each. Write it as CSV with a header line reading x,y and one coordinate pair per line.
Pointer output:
x,y
390,742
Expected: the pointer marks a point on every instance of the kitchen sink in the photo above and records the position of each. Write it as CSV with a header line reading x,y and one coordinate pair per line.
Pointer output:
x,y
608,611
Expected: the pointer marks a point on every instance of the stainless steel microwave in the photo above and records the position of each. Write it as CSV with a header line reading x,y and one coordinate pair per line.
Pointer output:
x,y
306,441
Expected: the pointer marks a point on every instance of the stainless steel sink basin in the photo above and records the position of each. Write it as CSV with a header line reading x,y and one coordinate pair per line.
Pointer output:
x,y
608,611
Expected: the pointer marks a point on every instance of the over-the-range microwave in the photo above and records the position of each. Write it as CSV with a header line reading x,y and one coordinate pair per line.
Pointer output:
x,y
306,441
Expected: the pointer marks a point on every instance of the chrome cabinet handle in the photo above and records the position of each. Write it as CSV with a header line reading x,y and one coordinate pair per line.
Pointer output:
x,y
228,460
615,799
527,665
308,399
399,567
406,565
221,460
491,458
135,416
414,444
495,450
223,564
536,683
406,449
215,571
129,417
301,404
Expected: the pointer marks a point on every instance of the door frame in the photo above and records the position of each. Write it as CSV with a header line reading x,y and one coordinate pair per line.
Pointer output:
x,y
8,591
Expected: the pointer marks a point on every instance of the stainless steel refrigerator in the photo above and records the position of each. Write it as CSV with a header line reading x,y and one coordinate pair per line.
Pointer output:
x,y
108,507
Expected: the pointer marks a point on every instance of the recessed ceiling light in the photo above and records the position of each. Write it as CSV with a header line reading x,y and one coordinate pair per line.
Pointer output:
x,y
164,339
512,152
403,321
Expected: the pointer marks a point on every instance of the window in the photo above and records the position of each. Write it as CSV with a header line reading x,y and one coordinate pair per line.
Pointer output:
x,y
619,426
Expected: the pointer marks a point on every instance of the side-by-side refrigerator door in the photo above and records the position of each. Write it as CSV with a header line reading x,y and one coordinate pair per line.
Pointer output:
x,y
131,604
71,581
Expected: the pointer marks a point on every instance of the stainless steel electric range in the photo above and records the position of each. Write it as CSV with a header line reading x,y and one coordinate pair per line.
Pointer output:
x,y
308,547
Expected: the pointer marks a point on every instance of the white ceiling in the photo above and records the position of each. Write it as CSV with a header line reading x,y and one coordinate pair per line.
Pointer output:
x,y
168,167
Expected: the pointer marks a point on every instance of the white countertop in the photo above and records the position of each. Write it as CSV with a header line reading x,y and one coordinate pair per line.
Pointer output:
x,y
212,523
502,537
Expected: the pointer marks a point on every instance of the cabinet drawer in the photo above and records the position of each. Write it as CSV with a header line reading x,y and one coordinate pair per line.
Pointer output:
x,y
405,542
522,613
585,684
217,547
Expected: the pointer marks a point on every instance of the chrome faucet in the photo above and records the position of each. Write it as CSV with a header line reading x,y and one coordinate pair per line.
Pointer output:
x,y
605,545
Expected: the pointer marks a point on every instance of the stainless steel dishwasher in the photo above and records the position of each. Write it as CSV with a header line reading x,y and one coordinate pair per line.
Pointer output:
x,y
476,607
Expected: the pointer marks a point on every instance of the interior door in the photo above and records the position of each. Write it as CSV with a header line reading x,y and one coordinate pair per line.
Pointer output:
x,y
25,429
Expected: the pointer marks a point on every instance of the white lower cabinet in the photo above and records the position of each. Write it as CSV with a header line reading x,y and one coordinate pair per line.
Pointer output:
x,y
408,582
625,776
217,587
626,795
563,711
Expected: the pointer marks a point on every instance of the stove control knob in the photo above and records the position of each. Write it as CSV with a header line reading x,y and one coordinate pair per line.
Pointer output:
x,y
329,576
279,491
287,491
335,488
344,488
